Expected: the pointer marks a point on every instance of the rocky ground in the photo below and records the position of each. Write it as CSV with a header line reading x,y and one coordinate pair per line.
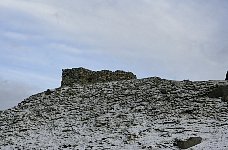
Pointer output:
x,y
148,114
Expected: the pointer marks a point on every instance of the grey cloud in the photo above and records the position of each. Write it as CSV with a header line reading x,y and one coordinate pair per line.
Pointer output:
x,y
15,86
184,37
12,93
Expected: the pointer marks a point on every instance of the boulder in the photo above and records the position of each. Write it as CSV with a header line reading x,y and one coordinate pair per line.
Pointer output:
x,y
219,92
48,92
185,144
226,75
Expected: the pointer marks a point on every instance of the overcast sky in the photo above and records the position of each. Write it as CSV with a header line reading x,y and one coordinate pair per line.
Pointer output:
x,y
172,39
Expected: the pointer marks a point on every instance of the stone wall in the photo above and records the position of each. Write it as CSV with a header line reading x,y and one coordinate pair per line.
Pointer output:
x,y
85,76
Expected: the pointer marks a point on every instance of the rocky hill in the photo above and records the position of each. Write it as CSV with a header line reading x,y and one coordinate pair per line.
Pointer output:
x,y
150,114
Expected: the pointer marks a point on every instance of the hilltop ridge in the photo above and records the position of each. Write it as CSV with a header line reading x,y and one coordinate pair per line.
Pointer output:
x,y
150,113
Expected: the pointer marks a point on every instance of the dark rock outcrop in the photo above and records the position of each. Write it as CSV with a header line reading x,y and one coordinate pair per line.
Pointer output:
x,y
48,92
226,75
85,76
185,144
219,92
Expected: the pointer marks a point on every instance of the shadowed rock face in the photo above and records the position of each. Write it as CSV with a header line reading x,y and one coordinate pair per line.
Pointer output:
x,y
226,76
219,91
85,76
192,141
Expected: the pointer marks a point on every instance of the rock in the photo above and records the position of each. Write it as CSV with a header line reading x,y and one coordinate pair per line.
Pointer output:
x,y
219,92
226,75
192,141
48,92
188,111
225,97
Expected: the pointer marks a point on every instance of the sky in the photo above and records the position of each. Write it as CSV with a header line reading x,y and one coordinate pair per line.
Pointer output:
x,y
171,39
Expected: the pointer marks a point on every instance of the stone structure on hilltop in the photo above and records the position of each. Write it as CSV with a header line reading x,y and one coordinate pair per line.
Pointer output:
x,y
85,76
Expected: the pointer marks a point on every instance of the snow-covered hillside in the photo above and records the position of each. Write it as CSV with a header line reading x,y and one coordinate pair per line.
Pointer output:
x,y
148,114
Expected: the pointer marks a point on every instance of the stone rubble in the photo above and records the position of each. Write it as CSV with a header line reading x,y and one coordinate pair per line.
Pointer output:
x,y
145,114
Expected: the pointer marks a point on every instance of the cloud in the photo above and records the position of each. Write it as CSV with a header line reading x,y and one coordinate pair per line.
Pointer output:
x,y
12,93
162,31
